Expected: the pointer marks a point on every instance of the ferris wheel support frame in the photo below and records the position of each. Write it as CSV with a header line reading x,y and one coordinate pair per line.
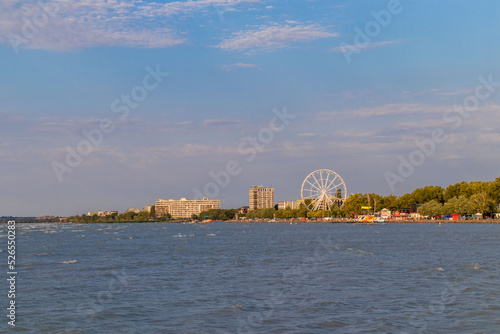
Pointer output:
x,y
321,187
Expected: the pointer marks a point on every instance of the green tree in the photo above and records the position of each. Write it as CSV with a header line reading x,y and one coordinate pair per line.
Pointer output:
x,y
453,190
459,205
481,203
287,213
353,204
280,213
428,193
405,201
448,208
212,214
479,187
431,208
142,217
494,193
463,205
374,200
261,213
165,217
335,211
302,211
389,202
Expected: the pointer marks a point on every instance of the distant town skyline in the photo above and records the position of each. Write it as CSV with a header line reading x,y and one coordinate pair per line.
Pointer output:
x,y
117,104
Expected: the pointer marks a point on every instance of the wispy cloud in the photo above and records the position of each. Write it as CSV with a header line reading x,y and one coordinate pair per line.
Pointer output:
x,y
184,7
275,36
441,92
71,25
387,110
236,66
363,46
223,122
7,119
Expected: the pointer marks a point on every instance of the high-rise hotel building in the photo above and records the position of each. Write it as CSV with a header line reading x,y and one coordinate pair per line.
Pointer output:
x,y
260,197
185,208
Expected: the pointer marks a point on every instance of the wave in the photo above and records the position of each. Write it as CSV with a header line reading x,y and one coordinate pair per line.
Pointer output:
x,y
235,306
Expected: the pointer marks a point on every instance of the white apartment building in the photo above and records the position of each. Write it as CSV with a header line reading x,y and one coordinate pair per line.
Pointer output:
x,y
292,205
184,208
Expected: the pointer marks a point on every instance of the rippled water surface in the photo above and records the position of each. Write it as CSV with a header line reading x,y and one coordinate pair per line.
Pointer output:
x,y
259,278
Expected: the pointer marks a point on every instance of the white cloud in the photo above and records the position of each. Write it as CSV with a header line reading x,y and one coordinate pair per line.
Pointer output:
x,y
274,37
67,25
362,46
223,122
236,66
441,92
387,110
242,65
423,124
187,7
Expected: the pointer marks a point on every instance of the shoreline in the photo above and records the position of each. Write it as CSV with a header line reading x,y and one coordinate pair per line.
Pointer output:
x,y
294,221
350,221
354,221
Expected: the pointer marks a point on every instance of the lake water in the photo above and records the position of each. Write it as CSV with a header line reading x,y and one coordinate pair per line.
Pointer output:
x,y
259,278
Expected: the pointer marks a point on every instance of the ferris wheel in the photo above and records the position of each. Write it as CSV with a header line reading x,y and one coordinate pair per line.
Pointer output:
x,y
323,188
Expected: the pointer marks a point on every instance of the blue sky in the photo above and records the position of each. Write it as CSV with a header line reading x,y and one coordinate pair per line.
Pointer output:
x,y
359,104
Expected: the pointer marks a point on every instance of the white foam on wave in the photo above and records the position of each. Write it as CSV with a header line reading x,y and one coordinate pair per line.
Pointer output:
x,y
236,306
68,262
359,251
211,235
183,235
474,266
438,269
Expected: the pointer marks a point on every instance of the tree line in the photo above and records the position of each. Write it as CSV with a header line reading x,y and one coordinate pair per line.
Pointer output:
x,y
461,198
464,198
216,214
119,218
